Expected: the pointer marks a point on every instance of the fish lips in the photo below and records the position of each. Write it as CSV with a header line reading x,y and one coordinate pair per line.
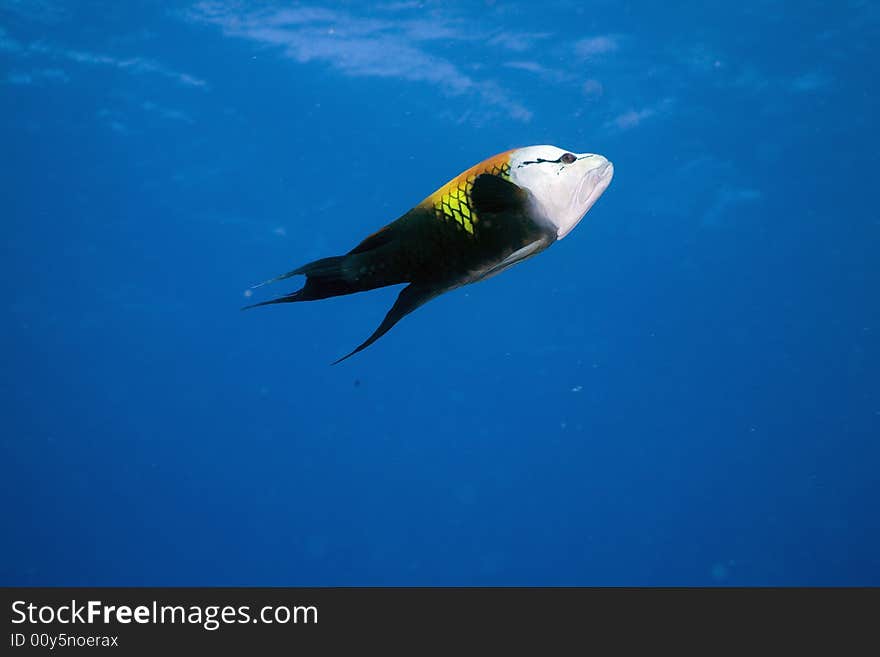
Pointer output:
x,y
589,189
594,182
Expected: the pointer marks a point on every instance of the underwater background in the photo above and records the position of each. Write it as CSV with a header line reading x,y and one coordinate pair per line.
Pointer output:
x,y
684,391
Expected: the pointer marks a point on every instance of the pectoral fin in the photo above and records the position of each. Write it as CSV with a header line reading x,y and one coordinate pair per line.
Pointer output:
x,y
410,298
517,256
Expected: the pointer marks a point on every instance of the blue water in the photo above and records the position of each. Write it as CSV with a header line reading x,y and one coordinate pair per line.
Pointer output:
x,y
683,391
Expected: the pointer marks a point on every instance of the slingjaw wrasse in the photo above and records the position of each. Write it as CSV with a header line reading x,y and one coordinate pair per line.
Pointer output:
x,y
491,217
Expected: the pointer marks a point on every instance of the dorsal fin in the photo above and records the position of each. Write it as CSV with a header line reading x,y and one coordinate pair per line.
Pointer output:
x,y
374,241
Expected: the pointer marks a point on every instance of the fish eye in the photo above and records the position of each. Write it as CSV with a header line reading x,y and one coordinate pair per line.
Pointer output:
x,y
568,158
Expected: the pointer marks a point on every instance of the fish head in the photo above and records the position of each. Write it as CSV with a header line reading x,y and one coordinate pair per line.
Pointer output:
x,y
563,184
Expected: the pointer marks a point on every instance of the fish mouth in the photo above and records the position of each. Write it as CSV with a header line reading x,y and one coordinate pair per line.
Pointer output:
x,y
592,185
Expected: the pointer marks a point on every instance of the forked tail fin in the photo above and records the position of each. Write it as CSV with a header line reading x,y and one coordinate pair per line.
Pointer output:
x,y
324,278
373,263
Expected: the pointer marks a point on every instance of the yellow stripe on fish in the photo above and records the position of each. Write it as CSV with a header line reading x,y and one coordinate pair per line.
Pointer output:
x,y
452,202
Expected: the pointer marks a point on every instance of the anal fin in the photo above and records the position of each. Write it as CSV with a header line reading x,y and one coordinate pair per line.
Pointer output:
x,y
410,298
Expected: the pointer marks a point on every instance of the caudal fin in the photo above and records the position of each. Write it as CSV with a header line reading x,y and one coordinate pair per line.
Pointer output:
x,y
371,264
324,278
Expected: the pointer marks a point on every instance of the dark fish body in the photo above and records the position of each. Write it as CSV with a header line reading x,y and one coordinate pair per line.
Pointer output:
x,y
475,226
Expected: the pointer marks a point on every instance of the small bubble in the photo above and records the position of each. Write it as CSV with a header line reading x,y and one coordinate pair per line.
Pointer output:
x,y
719,572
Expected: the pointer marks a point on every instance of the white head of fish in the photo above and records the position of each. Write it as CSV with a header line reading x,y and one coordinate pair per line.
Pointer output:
x,y
564,184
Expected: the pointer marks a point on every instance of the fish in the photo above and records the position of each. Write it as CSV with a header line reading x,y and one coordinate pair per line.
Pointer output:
x,y
495,215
